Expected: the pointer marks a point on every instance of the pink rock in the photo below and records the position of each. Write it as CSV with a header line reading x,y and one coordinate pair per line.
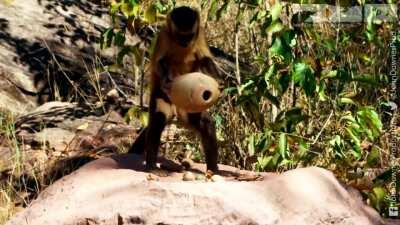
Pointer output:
x,y
115,191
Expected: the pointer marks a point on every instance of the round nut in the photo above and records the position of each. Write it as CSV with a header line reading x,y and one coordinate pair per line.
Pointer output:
x,y
188,176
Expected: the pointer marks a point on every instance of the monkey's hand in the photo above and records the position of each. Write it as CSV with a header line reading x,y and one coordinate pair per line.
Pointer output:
x,y
209,67
166,85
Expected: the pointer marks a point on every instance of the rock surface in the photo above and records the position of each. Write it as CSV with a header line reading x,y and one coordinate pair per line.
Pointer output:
x,y
46,43
116,191
58,134
50,49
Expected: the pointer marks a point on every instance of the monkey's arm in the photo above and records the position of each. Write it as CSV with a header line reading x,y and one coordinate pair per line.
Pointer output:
x,y
208,66
164,73
161,66
204,57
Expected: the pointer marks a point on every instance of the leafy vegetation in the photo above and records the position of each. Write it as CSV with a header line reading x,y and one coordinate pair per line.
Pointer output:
x,y
311,95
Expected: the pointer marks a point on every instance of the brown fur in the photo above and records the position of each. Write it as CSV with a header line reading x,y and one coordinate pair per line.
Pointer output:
x,y
170,60
180,60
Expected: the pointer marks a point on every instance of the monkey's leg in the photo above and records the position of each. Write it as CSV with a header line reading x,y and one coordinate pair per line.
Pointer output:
x,y
156,126
139,144
159,115
205,126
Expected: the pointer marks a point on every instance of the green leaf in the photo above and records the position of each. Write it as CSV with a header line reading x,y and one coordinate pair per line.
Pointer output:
x,y
275,27
251,145
357,144
330,74
275,11
377,198
275,160
247,85
135,112
213,9
283,145
280,50
321,92
300,70
289,36
373,157
380,193
261,14
370,122
270,72
329,44
286,162
371,27
126,9
151,13
231,90
347,101
130,9
304,76
303,148
370,20
163,7
367,79
337,144
263,161
349,118
134,2
218,120
114,7
144,119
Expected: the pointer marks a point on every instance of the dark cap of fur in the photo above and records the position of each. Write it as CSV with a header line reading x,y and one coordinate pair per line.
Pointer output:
x,y
184,17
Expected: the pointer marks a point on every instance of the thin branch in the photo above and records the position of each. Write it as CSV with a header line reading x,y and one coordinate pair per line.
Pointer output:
x,y
237,59
237,49
323,128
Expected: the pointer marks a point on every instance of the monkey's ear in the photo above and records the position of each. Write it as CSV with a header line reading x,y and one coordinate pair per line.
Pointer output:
x,y
197,26
171,27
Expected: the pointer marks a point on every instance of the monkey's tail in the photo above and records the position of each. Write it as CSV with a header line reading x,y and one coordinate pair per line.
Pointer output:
x,y
138,146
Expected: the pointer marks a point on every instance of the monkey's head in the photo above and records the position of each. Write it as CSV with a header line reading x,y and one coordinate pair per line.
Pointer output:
x,y
183,25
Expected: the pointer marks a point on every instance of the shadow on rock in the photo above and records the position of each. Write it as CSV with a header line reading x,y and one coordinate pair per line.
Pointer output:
x,y
57,53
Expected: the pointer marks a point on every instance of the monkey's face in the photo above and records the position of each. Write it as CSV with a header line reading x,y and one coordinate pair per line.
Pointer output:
x,y
184,26
185,39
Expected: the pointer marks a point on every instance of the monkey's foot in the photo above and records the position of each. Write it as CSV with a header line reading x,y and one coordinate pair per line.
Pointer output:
x,y
171,166
158,172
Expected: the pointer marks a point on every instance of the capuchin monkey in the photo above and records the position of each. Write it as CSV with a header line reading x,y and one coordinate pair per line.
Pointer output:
x,y
181,48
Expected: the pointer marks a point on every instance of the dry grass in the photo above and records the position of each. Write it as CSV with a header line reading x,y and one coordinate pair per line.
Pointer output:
x,y
7,191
